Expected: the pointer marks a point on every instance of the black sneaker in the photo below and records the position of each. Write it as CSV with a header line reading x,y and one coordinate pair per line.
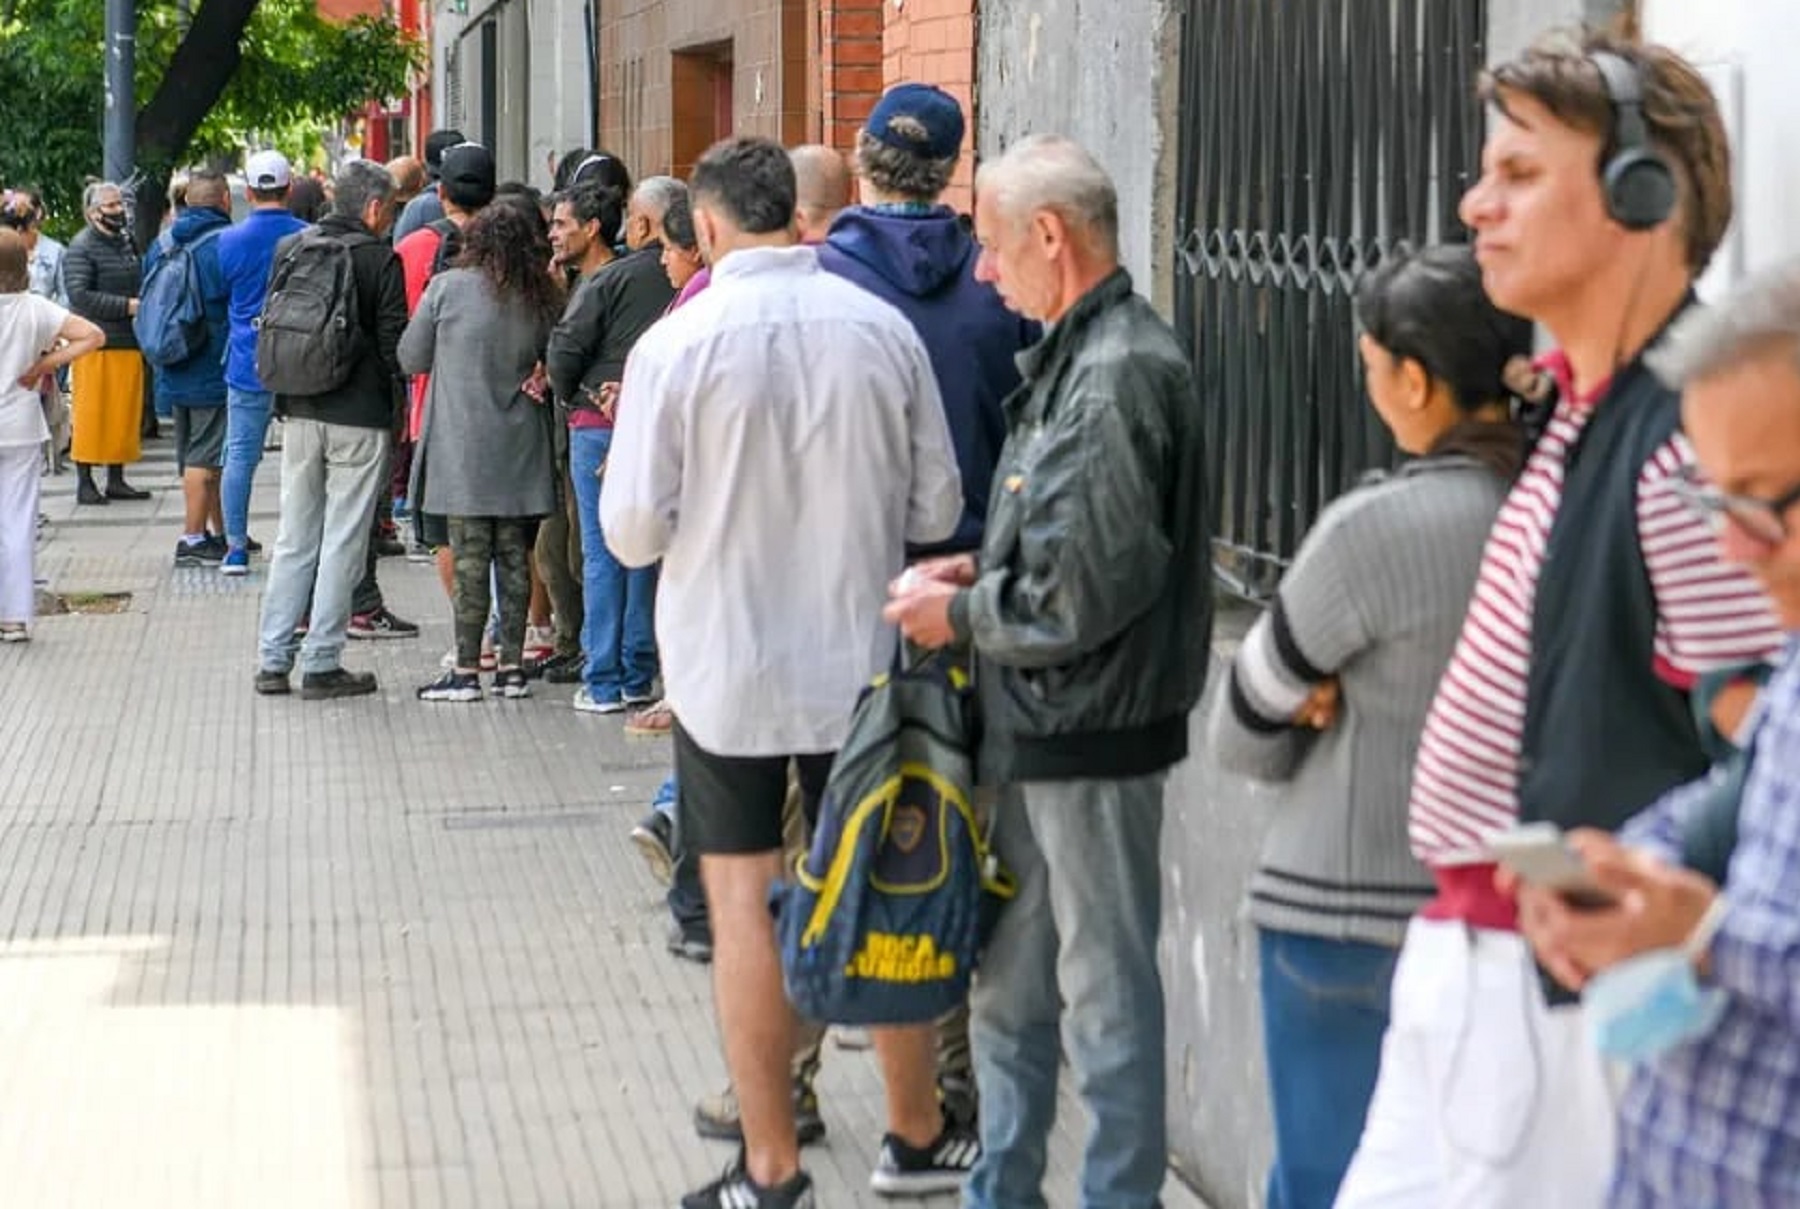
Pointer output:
x,y
736,1190
512,683
321,686
691,944
453,686
564,669
389,547
653,836
273,684
382,623
904,1170
202,553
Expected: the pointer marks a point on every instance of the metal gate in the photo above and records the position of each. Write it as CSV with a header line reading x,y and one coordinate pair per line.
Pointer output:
x,y
1316,134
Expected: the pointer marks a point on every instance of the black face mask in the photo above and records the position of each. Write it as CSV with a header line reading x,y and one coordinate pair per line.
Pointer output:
x,y
112,224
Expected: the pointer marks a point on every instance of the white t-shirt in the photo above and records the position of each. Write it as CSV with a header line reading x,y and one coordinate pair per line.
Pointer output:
x,y
28,327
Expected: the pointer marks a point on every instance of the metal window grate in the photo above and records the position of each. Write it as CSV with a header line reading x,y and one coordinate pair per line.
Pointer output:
x,y
1316,135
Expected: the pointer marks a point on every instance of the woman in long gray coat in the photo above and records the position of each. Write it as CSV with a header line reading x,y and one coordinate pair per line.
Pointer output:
x,y
483,458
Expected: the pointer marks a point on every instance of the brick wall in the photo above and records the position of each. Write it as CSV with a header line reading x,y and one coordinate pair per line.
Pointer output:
x,y
763,44
933,42
850,68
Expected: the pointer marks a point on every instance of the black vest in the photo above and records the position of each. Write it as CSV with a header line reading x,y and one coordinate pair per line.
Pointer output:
x,y
1604,736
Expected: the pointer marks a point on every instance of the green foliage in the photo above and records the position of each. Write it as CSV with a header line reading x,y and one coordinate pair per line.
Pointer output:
x,y
298,76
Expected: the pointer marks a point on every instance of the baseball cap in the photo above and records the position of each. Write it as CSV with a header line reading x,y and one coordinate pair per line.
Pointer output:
x,y
268,170
468,175
919,118
438,142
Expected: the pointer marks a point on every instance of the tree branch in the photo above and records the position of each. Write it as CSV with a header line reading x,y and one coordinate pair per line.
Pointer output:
x,y
202,66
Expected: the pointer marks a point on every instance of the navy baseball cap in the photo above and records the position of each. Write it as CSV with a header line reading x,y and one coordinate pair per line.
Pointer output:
x,y
921,119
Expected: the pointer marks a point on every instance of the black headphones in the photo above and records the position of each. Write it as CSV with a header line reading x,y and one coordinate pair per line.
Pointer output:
x,y
1638,183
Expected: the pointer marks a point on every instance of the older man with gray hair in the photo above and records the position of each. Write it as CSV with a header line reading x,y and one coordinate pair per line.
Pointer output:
x,y
647,207
1090,613
1693,974
334,454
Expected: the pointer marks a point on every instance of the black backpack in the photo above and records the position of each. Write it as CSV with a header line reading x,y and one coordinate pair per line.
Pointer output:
x,y
449,245
308,338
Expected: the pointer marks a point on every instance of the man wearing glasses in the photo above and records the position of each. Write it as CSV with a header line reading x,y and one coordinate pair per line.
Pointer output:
x,y
1695,973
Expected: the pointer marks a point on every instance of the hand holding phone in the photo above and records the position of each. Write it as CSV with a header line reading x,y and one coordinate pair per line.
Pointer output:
x,y
1540,856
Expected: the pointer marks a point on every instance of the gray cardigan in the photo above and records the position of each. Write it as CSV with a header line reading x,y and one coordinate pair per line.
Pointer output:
x,y
484,448
1375,597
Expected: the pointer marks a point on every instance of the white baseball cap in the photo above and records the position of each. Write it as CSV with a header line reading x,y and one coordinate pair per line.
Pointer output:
x,y
268,170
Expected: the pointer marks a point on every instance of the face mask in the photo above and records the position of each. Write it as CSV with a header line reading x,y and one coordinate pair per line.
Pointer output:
x,y
112,224
1649,1004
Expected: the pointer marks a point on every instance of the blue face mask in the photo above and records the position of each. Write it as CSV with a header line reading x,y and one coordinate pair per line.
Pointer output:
x,y
1649,1004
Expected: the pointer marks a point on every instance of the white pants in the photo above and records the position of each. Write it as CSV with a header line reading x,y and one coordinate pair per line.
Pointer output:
x,y
20,467
1487,1098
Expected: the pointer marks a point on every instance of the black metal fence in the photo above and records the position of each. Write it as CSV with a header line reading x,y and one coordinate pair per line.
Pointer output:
x,y
1316,134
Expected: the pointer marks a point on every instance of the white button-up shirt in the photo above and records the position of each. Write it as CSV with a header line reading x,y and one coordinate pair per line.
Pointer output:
x,y
779,441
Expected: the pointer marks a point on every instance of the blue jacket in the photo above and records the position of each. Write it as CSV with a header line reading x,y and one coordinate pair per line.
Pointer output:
x,y
200,380
246,253
924,265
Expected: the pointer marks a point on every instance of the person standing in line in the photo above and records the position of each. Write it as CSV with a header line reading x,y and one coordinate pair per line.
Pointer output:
x,y
334,459
246,253
782,440
1090,614
428,206
823,189
1601,600
1329,690
102,274
37,338
195,389
610,308
484,450
908,249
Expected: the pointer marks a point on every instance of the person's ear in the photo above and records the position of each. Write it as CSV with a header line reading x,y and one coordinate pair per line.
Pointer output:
x,y
1415,384
1049,232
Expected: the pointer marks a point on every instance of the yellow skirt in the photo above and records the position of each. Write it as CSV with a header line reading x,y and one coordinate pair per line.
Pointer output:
x,y
108,407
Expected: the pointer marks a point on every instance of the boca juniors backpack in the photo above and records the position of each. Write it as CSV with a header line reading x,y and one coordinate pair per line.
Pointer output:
x,y
884,920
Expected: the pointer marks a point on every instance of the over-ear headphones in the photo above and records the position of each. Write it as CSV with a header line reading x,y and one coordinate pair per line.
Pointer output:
x,y
1637,181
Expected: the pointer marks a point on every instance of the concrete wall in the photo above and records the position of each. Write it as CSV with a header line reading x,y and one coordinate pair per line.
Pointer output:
x,y
561,104
1097,71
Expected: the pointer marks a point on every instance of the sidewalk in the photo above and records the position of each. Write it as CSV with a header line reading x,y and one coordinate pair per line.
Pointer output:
x,y
269,953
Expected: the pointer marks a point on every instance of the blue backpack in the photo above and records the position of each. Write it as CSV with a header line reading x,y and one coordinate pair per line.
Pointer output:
x,y
171,321
887,913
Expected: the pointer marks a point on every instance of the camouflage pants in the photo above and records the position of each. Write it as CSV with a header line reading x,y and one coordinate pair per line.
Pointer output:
x,y
501,546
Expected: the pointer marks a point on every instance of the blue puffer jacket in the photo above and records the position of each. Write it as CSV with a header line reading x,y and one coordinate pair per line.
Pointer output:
x,y
200,380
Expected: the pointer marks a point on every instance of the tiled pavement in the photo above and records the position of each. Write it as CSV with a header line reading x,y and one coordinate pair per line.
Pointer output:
x,y
269,953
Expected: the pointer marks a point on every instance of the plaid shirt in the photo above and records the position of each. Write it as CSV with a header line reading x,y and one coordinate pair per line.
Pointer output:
x,y
1717,1121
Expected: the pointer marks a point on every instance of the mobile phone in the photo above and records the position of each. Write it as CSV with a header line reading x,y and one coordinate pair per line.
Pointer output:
x,y
1538,853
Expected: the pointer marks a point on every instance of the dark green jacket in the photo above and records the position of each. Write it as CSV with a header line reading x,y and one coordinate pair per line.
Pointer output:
x,y
1092,615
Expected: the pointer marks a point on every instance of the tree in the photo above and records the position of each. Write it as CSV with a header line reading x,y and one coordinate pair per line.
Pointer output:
x,y
269,70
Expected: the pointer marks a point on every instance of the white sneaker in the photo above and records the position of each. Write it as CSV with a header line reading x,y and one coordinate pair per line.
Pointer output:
x,y
585,703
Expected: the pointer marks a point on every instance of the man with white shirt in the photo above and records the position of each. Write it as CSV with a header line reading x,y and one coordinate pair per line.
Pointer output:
x,y
779,442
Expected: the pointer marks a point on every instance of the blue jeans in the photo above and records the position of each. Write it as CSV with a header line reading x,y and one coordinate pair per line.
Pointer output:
x,y
1325,1011
330,476
1081,932
618,630
246,427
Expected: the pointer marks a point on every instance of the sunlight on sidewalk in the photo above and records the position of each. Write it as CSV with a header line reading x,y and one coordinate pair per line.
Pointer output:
x,y
210,1107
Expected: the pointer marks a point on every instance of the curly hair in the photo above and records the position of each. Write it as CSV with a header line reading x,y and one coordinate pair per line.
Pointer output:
x,y
501,244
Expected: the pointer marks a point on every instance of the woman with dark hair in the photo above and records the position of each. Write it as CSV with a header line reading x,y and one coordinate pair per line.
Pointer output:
x,y
1329,692
306,199
37,338
600,168
483,459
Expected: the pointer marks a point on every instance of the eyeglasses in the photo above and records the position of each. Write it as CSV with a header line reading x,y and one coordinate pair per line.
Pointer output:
x,y
1764,520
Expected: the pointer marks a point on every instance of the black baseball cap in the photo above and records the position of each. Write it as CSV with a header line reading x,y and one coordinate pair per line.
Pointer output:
x,y
468,176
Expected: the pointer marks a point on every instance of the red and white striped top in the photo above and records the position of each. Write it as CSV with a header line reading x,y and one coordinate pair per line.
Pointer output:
x,y
1709,614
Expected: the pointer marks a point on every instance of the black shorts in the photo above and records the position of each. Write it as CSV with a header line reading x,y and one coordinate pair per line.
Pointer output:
x,y
731,805
199,437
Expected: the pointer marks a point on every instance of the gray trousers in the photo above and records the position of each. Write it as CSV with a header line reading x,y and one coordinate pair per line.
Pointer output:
x,y
330,476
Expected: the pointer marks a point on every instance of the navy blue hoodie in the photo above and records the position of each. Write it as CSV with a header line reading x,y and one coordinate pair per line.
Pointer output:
x,y
924,264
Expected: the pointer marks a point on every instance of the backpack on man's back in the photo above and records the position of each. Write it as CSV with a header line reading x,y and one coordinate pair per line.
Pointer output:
x,y
308,338
170,325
